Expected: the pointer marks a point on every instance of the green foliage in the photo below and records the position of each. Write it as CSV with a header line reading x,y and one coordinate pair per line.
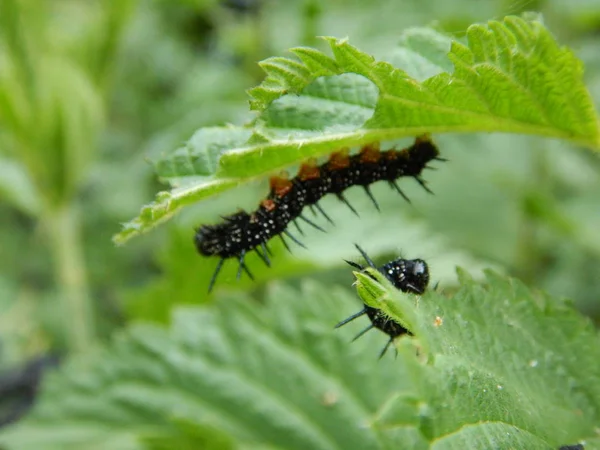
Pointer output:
x,y
492,366
139,75
51,104
52,110
497,351
17,187
267,357
511,76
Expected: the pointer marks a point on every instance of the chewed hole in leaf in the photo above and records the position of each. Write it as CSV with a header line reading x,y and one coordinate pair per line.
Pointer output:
x,y
422,53
341,102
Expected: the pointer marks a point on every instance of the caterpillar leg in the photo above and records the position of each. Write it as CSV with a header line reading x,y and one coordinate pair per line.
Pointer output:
x,y
415,289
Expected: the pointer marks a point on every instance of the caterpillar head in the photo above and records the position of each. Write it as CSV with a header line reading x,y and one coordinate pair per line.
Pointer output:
x,y
408,275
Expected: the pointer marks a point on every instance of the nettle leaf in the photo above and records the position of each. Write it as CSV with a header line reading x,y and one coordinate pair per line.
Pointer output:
x,y
276,375
494,366
508,367
511,76
188,170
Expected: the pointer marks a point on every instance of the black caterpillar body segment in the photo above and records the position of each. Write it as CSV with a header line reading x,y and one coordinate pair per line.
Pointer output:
x,y
408,275
242,232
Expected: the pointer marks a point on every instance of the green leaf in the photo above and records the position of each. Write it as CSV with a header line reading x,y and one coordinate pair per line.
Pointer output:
x,y
200,155
498,366
511,76
507,366
422,53
17,188
187,171
187,435
276,375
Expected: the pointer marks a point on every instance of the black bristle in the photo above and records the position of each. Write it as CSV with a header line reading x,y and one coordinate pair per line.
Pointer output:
x,y
291,236
345,200
311,223
370,195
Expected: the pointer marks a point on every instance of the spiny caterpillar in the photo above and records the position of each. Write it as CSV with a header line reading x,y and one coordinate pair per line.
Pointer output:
x,y
243,232
408,275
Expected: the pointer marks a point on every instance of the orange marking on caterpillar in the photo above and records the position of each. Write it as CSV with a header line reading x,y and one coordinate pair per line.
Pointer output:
x,y
398,154
339,160
370,153
422,138
280,185
268,204
391,155
309,171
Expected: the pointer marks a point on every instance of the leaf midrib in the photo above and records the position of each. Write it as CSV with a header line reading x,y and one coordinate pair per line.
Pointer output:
x,y
366,135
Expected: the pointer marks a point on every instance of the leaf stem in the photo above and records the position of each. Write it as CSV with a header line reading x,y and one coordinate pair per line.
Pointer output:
x,y
71,276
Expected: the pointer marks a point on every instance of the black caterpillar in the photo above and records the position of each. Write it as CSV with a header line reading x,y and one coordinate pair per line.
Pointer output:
x,y
408,275
243,232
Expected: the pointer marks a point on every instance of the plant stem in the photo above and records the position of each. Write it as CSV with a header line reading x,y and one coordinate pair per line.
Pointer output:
x,y
311,14
71,276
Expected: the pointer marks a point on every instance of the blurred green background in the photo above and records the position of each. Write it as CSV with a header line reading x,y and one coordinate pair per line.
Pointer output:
x,y
91,90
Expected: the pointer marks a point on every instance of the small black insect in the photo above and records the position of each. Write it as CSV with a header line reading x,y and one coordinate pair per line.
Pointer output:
x,y
408,275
